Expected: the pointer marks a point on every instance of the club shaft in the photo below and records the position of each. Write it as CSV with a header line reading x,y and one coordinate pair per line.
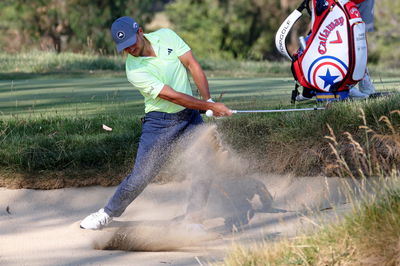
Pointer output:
x,y
277,110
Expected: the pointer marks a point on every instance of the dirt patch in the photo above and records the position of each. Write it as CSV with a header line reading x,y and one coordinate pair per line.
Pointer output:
x,y
59,179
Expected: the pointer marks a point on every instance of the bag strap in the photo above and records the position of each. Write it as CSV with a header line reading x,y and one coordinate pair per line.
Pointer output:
x,y
287,25
305,5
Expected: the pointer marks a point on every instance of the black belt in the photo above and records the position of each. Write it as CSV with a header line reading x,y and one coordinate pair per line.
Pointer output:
x,y
185,114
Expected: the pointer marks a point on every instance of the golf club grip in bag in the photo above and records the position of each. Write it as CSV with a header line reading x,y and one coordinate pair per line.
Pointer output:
x,y
333,56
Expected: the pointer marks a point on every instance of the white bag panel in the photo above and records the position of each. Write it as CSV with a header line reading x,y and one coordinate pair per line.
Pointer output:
x,y
360,51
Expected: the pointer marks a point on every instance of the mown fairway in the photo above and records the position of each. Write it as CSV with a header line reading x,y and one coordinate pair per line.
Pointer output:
x,y
88,96
102,95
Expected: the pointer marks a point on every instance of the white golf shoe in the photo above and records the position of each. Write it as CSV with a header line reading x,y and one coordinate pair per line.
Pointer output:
x,y
355,93
96,221
366,86
301,98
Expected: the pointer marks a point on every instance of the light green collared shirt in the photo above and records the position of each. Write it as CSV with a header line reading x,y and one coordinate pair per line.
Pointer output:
x,y
150,74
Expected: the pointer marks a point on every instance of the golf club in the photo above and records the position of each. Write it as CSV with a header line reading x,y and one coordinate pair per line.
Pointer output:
x,y
209,113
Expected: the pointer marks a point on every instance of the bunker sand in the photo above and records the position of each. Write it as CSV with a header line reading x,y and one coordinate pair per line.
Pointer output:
x,y
42,227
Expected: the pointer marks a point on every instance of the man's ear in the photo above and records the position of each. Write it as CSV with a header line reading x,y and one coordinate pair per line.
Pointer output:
x,y
140,30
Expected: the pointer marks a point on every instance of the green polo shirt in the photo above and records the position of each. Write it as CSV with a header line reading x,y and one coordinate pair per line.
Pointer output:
x,y
150,74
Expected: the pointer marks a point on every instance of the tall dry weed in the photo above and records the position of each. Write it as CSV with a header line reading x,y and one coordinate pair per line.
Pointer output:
x,y
372,153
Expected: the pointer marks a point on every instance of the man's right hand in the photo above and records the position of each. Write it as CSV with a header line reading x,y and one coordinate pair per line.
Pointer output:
x,y
219,109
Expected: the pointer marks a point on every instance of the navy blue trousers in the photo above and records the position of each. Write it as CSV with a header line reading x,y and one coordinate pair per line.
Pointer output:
x,y
159,132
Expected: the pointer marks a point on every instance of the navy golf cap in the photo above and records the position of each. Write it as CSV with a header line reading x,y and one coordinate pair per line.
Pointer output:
x,y
124,31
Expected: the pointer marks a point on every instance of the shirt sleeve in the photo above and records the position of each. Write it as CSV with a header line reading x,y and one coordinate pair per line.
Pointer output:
x,y
145,82
180,46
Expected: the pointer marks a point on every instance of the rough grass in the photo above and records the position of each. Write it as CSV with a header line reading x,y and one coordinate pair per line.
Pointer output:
x,y
55,151
279,143
295,143
61,143
370,234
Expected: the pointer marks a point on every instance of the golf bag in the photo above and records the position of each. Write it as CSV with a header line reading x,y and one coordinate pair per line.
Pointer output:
x,y
333,57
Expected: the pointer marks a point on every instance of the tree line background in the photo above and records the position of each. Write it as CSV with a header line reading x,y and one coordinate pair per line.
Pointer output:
x,y
219,29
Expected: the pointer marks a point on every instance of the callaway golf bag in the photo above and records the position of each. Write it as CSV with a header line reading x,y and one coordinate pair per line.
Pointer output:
x,y
333,57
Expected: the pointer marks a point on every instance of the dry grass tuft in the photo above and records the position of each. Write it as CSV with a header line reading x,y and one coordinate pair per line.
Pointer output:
x,y
378,154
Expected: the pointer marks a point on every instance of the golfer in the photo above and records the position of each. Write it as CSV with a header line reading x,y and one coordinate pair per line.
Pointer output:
x,y
156,65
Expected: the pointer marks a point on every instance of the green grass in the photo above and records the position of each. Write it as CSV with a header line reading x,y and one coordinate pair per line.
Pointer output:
x,y
50,125
59,143
92,96
294,142
55,125
52,109
49,138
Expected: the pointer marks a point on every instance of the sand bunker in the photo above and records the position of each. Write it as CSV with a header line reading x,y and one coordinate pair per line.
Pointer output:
x,y
222,186
243,206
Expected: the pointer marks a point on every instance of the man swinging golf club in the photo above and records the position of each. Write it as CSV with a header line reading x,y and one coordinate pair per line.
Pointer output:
x,y
156,65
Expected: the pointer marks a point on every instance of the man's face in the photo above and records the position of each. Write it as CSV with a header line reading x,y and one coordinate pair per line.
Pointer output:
x,y
138,48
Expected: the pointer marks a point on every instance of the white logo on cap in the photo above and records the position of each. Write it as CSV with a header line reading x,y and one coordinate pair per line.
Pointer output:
x,y
120,35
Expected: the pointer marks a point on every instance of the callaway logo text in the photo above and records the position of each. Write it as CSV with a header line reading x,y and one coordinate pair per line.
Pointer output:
x,y
324,35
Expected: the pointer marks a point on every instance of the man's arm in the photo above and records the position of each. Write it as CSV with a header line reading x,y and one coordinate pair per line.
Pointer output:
x,y
169,94
197,73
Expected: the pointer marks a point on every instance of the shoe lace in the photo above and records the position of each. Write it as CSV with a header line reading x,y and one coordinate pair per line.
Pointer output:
x,y
101,217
